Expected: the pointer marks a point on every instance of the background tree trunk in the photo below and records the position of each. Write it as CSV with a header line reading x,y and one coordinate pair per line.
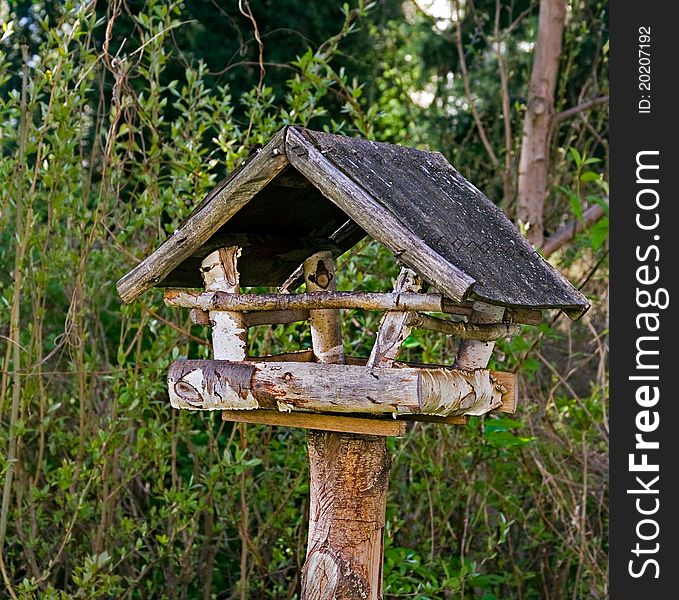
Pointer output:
x,y
534,162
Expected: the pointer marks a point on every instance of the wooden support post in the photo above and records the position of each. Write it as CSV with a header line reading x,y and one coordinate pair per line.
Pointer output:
x,y
349,476
475,354
220,274
394,327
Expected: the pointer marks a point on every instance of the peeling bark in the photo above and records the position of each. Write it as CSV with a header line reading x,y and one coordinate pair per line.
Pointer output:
x,y
299,386
313,299
394,327
220,274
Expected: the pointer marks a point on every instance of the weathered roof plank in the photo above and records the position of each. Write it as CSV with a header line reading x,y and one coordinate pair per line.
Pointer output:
x,y
453,218
380,224
217,208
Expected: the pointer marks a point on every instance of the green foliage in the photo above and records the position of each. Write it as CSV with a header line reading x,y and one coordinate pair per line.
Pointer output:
x,y
105,145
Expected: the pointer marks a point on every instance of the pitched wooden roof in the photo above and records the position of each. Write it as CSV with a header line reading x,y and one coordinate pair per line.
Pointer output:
x,y
306,191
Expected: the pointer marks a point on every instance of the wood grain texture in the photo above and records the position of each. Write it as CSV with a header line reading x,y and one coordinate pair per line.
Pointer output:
x,y
510,398
335,388
405,301
362,300
344,548
339,424
217,208
348,495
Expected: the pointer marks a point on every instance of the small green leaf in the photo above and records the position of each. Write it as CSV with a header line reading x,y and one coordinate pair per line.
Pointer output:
x,y
589,176
599,233
576,156
573,201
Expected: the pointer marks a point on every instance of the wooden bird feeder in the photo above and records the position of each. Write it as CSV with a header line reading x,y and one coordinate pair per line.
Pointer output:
x,y
280,220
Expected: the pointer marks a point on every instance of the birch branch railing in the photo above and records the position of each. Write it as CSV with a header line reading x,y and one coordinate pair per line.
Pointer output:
x,y
286,308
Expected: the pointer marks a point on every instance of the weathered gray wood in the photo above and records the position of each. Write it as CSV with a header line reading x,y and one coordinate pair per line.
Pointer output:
x,y
217,208
394,327
336,423
333,388
484,332
406,301
434,205
379,223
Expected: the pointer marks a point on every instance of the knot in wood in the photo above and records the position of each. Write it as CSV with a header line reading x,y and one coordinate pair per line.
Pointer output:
x,y
322,277
537,105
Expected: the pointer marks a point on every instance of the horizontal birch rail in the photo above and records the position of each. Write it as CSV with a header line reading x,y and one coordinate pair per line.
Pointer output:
x,y
293,306
332,388
485,332
315,300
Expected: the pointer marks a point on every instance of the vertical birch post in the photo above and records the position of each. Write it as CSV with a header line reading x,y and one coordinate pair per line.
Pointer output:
x,y
474,354
349,477
220,274
394,328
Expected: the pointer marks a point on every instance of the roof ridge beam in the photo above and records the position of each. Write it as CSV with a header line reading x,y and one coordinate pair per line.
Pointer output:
x,y
372,217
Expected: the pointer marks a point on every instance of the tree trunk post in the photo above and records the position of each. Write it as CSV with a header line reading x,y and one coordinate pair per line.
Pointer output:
x,y
349,478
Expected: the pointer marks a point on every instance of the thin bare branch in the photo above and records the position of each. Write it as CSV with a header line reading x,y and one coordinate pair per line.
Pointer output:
x,y
570,112
568,232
